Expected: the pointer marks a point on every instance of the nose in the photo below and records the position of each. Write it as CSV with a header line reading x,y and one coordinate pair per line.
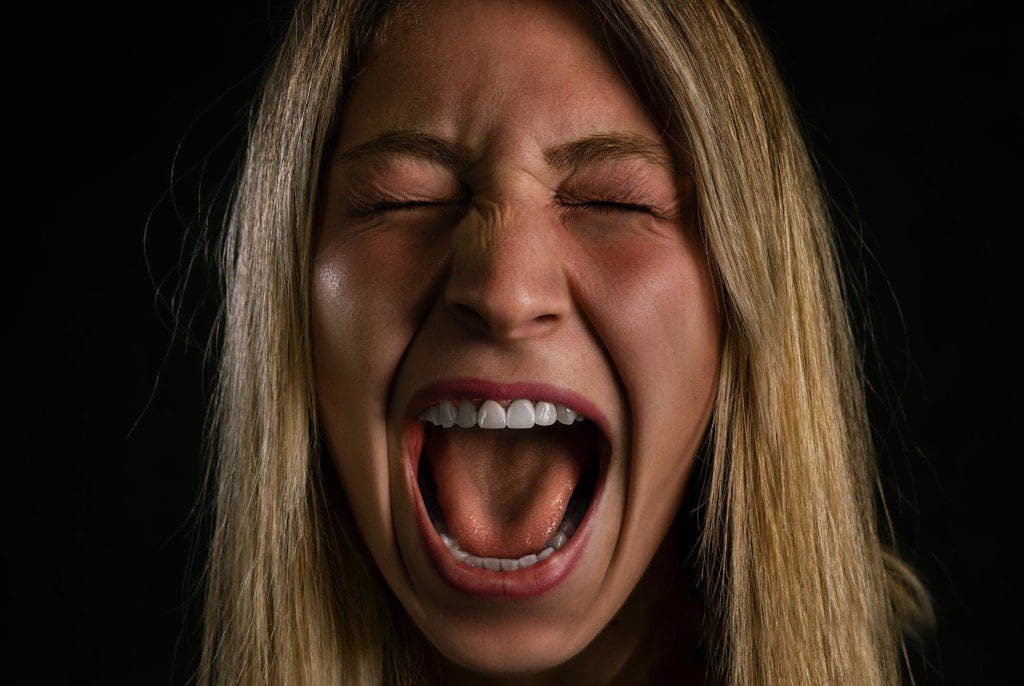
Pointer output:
x,y
506,281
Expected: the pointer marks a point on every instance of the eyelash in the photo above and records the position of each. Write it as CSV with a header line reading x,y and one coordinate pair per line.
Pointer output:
x,y
610,206
389,205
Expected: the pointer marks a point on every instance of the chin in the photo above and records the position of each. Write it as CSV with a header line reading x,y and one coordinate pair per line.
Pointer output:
x,y
510,649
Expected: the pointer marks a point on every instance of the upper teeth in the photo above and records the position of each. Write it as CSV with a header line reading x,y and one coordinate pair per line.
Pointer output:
x,y
520,414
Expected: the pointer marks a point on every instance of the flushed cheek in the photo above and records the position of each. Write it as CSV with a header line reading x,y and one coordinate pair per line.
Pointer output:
x,y
363,319
654,304
654,298
369,294
673,353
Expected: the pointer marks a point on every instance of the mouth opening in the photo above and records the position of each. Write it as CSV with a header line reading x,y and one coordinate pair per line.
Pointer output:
x,y
507,500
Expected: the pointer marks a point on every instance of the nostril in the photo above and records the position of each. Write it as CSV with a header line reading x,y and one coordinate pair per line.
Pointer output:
x,y
470,318
493,325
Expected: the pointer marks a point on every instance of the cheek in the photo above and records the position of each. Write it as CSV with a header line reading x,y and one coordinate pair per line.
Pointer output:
x,y
682,324
368,295
655,299
365,308
347,333
661,297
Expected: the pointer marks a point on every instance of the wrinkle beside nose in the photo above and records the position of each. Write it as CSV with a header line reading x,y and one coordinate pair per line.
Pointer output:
x,y
506,280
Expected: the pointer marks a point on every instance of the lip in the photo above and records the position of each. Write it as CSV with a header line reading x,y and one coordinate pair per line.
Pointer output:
x,y
484,583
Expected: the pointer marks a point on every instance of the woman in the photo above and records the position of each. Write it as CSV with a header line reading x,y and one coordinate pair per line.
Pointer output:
x,y
499,277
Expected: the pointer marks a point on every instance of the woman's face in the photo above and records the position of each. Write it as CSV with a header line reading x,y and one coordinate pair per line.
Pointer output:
x,y
502,221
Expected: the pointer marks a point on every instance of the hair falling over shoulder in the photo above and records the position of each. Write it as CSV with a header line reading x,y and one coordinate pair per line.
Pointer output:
x,y
800,579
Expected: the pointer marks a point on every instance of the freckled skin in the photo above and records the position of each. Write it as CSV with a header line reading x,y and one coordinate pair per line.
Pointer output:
x,y
509,284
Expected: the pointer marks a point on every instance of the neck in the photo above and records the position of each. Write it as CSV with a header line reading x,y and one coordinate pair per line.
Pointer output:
x,y
654,637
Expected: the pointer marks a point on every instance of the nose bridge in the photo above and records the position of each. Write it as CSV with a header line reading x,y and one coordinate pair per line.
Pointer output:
x,y
506,279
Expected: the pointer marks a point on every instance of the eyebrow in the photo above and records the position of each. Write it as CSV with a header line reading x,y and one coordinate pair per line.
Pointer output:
x,y
606,147
603,147
408,143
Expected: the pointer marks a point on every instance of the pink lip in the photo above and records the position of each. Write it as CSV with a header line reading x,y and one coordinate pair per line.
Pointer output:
x,y
522,583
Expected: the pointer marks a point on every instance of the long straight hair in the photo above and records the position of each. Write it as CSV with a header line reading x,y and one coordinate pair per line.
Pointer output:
x,y
801,588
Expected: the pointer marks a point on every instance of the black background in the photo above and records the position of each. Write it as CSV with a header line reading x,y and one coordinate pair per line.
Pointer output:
x,y
908,110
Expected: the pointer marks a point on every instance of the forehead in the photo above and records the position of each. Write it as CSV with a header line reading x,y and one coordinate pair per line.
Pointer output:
x,y
524,74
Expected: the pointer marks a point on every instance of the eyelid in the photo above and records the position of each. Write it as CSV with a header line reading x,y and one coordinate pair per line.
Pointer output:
x,y
623,204
386,203
602,205
611,206
382,203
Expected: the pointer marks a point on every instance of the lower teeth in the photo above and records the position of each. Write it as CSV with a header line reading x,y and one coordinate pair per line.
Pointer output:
x,y
499,564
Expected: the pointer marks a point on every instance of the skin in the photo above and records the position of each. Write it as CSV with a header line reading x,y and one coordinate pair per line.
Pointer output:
x,y
508,268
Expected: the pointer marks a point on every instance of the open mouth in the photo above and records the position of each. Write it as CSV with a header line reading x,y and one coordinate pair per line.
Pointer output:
x,y
506,490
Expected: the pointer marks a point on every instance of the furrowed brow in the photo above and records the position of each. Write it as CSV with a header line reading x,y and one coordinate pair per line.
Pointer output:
x,y
608,147
405,143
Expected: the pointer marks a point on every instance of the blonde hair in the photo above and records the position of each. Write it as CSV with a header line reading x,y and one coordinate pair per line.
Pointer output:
x,y
800,586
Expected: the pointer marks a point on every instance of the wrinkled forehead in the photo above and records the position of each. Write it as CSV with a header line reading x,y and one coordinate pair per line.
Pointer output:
x,y
501,74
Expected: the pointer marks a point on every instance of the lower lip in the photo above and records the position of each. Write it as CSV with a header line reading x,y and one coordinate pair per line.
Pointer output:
x,y
484,583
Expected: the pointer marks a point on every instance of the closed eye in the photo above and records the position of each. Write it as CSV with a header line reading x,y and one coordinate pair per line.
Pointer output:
x,y
390,205
612,206
607,206
384,205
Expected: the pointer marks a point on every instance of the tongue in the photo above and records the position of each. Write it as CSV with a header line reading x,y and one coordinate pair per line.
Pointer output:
x,y
504,492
